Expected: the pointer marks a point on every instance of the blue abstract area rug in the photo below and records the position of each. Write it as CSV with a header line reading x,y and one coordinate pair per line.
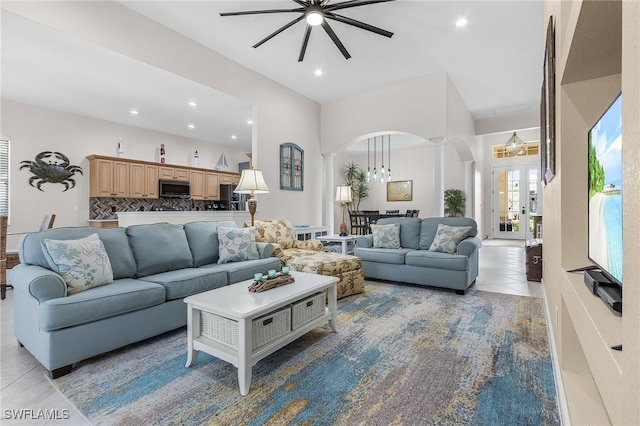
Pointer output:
x,y
403,355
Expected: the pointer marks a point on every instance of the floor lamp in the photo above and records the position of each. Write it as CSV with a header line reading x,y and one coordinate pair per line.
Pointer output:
x,y
343,195
252,182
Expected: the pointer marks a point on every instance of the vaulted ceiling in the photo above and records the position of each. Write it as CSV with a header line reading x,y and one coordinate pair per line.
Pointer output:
x,y
495,61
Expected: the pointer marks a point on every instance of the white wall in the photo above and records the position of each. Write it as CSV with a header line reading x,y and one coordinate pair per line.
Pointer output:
x,y
415,106
427,107
414,164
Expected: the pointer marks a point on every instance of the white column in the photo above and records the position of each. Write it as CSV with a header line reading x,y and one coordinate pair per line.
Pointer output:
x,y
438,175
329,191
468,188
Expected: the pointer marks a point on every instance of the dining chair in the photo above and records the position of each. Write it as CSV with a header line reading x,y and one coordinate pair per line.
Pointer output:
x,y
412,213
358,222
392,212
371,218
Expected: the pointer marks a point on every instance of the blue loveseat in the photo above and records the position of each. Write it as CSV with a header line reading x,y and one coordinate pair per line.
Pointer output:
x,y
154,267
414,263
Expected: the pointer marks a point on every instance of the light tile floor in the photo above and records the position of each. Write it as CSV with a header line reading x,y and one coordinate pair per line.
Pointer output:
x,y
23,384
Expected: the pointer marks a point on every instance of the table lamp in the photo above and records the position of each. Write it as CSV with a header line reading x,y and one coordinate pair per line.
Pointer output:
x,y
343,195
252,182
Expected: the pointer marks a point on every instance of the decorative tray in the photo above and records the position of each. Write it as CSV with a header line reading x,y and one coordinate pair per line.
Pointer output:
x,y
269,283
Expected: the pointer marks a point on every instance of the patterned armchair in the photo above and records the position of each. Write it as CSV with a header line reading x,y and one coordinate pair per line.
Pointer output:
x,y
286,246
309,256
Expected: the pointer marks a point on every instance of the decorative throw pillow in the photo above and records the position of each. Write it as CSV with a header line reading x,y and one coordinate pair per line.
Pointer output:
x,y
83,263
386,236
237,244
448,237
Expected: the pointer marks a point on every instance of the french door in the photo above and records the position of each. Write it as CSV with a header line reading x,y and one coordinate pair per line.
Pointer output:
x,y
516,192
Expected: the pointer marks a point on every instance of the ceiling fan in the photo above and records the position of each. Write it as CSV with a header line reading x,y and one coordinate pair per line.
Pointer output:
x,y
316,12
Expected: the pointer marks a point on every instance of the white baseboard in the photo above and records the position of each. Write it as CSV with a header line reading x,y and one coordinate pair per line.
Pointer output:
x,y
561,397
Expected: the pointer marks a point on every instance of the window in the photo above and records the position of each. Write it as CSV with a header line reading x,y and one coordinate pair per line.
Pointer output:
x,y
4,177
291,167
531,148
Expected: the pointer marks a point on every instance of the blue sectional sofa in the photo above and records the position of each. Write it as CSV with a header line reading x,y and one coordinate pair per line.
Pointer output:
x,y
414,263
154,267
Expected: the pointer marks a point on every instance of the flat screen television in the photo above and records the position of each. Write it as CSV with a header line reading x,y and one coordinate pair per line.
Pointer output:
x,y
606,192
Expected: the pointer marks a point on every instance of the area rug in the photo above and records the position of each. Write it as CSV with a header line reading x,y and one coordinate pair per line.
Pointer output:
x,y
403,355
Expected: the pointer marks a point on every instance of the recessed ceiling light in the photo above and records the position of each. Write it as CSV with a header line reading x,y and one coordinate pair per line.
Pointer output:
x,y
193,104
318,72
249,121
133,112
461,22
234,137
191,126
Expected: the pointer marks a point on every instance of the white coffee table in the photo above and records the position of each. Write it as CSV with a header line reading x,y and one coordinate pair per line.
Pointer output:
x,y
222,322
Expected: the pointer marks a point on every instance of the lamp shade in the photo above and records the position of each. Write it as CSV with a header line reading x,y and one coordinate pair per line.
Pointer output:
x,y
251,182
343,193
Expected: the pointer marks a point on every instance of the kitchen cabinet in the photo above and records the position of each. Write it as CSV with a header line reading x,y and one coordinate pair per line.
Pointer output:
x,y
229,179
205,185
108,178
124,178
175,173
143,180
196,178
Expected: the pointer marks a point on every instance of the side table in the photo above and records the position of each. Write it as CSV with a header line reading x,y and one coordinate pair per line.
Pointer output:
x,y
344,240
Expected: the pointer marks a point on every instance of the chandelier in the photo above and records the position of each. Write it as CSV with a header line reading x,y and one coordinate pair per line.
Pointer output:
x,y
515,145
385,173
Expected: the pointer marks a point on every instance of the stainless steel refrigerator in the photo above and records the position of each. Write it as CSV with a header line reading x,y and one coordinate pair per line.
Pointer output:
x,y
229,200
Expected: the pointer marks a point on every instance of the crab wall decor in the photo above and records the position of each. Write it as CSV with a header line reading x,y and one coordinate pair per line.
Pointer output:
x,y
51,167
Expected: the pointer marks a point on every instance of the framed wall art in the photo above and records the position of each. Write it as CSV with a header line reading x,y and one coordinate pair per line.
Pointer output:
x,y
401,190
291,167
548,107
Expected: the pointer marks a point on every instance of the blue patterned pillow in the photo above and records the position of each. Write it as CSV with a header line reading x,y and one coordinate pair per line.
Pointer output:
x,y
386,236
83,263
448,237
237,244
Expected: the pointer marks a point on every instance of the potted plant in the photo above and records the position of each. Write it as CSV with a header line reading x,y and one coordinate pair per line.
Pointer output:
x,y
357,180
453,202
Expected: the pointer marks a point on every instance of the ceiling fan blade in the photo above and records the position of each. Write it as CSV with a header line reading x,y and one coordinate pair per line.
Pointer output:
x,y
353,3
278,31
335,39
362,25
305,41
256,12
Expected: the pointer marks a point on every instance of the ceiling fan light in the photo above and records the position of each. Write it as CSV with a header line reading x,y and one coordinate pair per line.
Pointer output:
x,y
314,18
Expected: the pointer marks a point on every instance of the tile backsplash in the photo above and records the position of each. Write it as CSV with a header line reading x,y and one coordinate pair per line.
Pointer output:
x,y
101,208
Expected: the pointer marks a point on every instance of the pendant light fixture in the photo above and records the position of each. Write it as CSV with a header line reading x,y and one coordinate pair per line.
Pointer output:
x,y
389,159
368,178
515,145
383,172
374,176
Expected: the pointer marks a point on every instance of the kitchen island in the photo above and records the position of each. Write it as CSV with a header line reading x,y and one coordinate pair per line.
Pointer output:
x,y
137,218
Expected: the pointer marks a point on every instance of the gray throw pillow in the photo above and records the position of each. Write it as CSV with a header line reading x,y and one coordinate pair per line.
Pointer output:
x,y
237,244
448,237
386,236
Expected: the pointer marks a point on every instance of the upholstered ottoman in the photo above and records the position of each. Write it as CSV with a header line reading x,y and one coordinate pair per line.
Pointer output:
x,y
346,268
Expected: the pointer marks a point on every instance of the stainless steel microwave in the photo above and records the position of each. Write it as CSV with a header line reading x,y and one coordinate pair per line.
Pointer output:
x,y
174,189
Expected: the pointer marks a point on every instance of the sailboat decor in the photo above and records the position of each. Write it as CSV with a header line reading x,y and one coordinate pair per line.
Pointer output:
x,y
222,163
